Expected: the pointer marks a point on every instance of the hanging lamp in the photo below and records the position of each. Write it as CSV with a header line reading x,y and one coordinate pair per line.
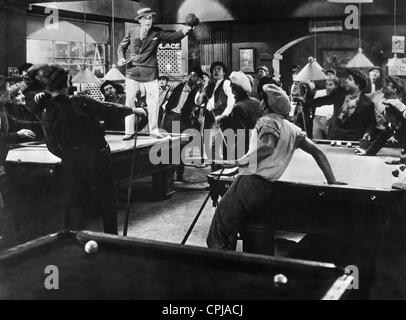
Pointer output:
x,y
85,75
114,73
359,60
312,71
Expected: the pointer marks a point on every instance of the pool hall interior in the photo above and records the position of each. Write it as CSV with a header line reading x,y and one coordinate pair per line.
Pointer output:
x,y
222,149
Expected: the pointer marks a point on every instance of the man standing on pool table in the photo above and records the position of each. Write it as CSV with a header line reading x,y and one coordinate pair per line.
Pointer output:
x,y
272,145
73,132
142,67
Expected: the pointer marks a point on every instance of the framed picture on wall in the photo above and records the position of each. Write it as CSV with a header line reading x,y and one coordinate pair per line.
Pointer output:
x,y
247,60
333,58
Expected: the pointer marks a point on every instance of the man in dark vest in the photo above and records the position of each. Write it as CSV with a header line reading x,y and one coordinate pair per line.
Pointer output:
x,y
219,101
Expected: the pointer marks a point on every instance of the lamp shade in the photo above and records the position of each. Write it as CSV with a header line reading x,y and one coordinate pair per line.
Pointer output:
x,y
85,76
359,61
311,72
114,74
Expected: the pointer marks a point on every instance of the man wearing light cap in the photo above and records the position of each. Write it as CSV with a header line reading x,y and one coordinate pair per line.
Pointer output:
x,y
272,145
246,110
142,67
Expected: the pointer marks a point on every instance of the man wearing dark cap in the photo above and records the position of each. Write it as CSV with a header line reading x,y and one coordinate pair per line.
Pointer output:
x,y
181,104
142,67
74,133
113,92
165,91
374,82
273,143
262,71
394,113
354,114
219,100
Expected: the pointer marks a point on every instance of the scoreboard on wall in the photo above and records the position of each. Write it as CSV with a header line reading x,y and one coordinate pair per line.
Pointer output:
x,y
170,59
173,57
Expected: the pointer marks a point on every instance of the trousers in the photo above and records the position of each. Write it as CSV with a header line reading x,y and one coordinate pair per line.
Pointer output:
x,y
248,196
152,98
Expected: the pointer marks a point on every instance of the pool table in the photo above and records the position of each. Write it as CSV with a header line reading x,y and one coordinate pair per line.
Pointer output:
x,y
303,202
129,268
34,188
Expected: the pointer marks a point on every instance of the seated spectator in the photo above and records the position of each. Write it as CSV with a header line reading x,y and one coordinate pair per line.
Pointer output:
x,y
354,116
113,92
301,113
11,129
17,106
164,93
180,106
395,115
246,111
323,114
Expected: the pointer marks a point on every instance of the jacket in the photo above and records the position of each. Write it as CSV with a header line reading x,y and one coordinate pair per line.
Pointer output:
x,y
360,122
189,105
71,122
143,66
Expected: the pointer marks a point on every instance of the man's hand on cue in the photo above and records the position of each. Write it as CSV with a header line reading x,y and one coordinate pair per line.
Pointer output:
x,y
226,163
187,29
360,152
140,112
121,62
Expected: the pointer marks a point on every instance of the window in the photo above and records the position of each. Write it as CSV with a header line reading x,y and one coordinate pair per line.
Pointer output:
x,y
69,54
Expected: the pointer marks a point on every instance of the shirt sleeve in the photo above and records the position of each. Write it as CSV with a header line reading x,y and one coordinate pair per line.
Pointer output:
x,y
103,110
270,127
230,98
170,36
122,47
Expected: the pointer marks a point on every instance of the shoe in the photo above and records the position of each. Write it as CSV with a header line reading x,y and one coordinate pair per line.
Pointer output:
x,y
129,137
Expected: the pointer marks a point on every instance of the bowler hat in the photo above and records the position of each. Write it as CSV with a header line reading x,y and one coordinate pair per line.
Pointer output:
x,y
144,12
119,88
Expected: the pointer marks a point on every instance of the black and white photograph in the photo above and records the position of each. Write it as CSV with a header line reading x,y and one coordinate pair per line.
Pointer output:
x,y
202,154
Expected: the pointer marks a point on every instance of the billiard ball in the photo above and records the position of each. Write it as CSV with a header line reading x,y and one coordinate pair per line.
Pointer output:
x,y
91,247
333,143
349,144
280,279
403,151
339,143
402,167
395,173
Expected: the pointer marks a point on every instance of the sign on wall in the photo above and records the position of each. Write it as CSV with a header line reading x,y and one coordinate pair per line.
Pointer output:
x,y
170,58
398,44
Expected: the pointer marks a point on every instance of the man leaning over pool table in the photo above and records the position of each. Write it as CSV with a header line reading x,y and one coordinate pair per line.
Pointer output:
x,y
272,145
395,116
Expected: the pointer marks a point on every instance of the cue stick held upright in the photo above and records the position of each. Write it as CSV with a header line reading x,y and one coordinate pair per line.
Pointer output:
x,y
130,187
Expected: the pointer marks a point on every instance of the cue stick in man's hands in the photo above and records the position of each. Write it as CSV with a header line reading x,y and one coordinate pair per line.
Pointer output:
x,y
127,215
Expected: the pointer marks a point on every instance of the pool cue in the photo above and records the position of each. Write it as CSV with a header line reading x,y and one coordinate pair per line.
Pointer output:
x,y
130,187
192,226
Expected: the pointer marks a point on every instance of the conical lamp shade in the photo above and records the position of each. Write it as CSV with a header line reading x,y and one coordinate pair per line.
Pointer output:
x,y
114,75
85,76
359,61
311,72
